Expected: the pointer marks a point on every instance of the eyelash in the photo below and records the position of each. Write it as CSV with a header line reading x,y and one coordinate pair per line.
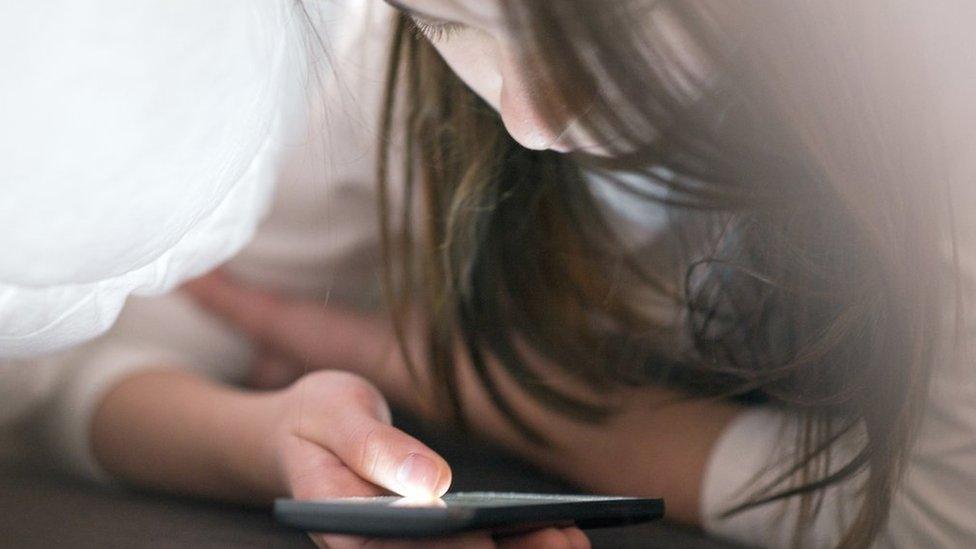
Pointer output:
x,y
435,32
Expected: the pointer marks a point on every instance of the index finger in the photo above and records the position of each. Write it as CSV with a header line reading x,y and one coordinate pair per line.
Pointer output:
x,y
256,312
353,427
297,329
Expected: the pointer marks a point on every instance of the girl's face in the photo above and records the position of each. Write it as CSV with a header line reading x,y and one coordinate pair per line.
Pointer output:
x,y
473,38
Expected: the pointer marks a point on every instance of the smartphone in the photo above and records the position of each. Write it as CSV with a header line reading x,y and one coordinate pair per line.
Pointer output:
x,y
500,513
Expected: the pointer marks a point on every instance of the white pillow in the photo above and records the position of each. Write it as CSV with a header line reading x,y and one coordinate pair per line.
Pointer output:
x,y
138,148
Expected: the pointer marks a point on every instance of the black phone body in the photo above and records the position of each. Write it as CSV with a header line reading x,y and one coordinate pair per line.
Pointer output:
x,y
501,513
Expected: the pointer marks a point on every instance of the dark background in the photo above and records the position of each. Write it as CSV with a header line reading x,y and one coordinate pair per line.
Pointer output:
x,y
40,508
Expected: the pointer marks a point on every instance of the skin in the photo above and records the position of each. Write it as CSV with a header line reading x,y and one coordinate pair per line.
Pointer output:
x,y
326,435
210,440
473,39
660,442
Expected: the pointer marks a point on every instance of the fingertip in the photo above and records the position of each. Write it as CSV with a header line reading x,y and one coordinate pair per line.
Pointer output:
x,y
423,475
202,289
548,537
384,455
577,538
445,478
445,481
195,288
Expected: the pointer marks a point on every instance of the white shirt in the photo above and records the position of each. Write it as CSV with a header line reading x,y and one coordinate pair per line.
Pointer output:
x,y
321,239
137,149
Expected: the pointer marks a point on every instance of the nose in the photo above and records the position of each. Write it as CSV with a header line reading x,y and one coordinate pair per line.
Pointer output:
x,y
522,97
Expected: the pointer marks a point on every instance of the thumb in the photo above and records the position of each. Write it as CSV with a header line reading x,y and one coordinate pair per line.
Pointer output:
x,y
388,457
358,432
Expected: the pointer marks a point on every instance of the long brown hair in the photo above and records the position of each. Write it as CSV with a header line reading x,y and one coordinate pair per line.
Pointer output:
x,y
799,169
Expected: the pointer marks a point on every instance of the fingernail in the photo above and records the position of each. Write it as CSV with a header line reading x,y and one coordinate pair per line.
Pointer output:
x,y
419,475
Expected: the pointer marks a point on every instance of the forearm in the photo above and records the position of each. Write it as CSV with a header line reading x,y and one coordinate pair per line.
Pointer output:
x,y
658,445
182,433
652,448
649,448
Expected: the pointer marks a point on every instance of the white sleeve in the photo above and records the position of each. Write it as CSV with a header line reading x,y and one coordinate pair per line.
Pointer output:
x,y
934,505
228,102
753,451
138,145
167,332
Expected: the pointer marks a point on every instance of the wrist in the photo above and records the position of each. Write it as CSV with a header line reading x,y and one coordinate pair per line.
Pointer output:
x,y
251,438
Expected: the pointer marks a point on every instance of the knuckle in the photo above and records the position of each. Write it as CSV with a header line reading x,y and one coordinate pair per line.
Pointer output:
x,y
554,539
371,448
360,393
333,383
578,539
360,389
334,392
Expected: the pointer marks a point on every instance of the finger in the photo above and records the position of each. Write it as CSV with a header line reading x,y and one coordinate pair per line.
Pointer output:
x,y
387,457
470,541
254,311
324,541
577,538
554,538
474,541
272,372
303,330
313,473
355,427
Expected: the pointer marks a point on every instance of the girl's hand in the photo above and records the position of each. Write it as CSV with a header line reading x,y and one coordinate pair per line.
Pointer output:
x,y
297,336
332,438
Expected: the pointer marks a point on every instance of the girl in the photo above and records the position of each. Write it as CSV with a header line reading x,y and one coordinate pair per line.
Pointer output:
x,y
146,138
744,286
710,251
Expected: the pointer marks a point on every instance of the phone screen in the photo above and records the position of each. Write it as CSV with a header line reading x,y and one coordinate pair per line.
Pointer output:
x,y
396,517
474,500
